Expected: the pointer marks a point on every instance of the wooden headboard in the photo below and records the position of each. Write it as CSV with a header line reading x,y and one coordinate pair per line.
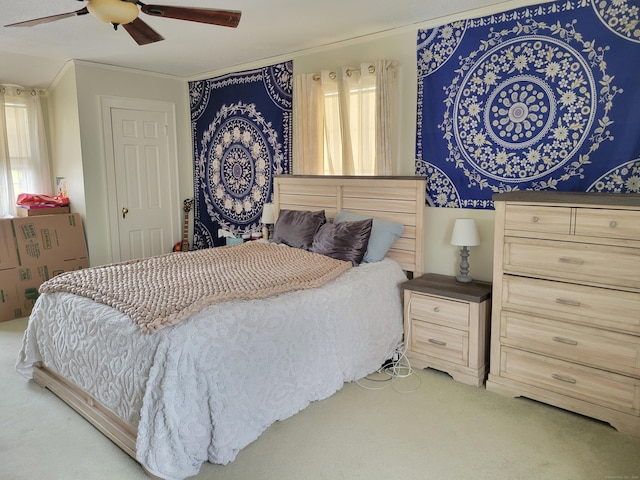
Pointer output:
x,y
398,199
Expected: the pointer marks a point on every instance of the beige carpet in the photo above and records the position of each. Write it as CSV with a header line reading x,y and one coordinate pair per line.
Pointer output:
x,y
442,430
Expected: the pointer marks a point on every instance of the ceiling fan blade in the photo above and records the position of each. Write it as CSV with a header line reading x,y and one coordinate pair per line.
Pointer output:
x,y
142,33
224,18
50,18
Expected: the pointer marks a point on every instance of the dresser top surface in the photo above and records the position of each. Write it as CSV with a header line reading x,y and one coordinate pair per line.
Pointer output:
x,y
578,198
443,285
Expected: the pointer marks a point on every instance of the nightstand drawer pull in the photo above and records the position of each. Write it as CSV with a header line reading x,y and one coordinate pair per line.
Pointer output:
x,y
613,224
572,261
572,303
566,341
436,309
534,219
437,342
562,378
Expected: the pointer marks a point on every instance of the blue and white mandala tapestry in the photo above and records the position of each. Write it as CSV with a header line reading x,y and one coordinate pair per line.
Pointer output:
x,y
544,97
241,133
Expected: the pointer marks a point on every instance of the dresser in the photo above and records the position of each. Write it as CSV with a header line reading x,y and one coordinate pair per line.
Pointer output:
x,y
446,326
565,327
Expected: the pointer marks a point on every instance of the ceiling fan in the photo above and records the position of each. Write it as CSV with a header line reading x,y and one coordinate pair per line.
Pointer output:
x,y
125,13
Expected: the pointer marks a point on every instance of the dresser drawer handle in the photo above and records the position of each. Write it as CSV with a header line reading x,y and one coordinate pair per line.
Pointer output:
x,y
437,342
534,219
613,224
562,378
566,341
562,301
573,261
436,309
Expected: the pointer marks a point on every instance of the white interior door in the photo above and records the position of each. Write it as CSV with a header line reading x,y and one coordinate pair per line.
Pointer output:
x,y
143,201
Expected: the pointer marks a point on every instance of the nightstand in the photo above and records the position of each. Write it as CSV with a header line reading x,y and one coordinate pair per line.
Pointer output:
x,y
446,326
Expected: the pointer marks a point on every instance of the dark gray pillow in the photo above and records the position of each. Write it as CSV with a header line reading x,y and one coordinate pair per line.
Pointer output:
x,y
383,234
296,228
344,241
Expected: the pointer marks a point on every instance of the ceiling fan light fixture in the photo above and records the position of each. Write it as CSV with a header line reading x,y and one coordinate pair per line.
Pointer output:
x,y
116,12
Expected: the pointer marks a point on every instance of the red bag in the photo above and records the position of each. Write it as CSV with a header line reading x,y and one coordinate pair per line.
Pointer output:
x,y
30,199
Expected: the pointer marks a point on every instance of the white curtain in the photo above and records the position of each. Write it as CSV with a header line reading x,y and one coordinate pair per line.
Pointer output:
x,y
308,128
345,121
386,116
24,156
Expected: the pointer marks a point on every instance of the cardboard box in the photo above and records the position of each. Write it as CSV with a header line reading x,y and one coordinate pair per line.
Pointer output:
x,y
19,286
35,210
33,250
8,247
48,238
18,294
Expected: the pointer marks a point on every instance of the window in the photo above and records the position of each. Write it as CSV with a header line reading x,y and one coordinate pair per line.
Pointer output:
x,y
24,162
344,121
19,144
360,122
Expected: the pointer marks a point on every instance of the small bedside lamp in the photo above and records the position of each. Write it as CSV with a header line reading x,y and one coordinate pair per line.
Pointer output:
x,y
267,219
465,234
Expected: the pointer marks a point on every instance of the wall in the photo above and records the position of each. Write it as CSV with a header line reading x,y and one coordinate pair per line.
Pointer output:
x,y
64,132
400,45
440,256
79,155
78,151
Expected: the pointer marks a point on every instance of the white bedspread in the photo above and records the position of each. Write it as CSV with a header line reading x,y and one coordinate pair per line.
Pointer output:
x,y
204,389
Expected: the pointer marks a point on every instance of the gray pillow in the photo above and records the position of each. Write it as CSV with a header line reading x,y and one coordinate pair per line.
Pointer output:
x,y
383,234
345,241
296,228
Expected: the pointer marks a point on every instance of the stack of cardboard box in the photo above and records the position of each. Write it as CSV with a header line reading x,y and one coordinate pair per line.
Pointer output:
x,y
33,250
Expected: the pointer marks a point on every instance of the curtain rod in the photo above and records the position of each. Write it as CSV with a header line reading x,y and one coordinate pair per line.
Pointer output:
x,y
332,75
19,90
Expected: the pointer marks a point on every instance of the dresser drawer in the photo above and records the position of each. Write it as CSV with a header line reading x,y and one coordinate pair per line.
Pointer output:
x,y
538,219
578,262
595,386
595,306
590,346
608,223
440,342
439,310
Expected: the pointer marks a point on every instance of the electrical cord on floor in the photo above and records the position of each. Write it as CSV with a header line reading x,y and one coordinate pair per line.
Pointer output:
x,y
399,367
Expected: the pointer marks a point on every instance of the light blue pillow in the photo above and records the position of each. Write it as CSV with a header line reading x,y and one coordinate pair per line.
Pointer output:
x,y
383,234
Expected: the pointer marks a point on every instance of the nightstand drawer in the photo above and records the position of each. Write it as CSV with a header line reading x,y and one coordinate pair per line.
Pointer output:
x,y
589,346
440,342
439,310
538,219
595,386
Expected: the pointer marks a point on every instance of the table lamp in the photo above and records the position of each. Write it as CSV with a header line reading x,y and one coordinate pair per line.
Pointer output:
x,y
267,219
465,234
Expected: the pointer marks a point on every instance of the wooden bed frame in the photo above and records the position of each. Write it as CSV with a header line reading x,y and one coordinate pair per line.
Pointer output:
x,y
400,199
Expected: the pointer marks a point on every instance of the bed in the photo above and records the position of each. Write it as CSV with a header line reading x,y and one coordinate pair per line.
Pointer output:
x,y
203,388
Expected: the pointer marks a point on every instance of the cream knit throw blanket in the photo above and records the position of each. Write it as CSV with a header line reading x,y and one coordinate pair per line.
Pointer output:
x,y
160,291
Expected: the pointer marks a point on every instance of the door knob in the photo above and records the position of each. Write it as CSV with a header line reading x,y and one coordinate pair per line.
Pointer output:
x,y
125,210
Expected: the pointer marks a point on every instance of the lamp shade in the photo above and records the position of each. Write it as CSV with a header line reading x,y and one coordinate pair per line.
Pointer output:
x,y
113,11
267,214
465,233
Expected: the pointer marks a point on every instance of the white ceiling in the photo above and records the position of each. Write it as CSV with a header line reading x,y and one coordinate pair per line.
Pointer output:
x,y
32,56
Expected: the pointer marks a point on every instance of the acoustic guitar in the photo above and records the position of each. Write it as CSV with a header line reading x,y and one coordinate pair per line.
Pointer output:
x,y
183,246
